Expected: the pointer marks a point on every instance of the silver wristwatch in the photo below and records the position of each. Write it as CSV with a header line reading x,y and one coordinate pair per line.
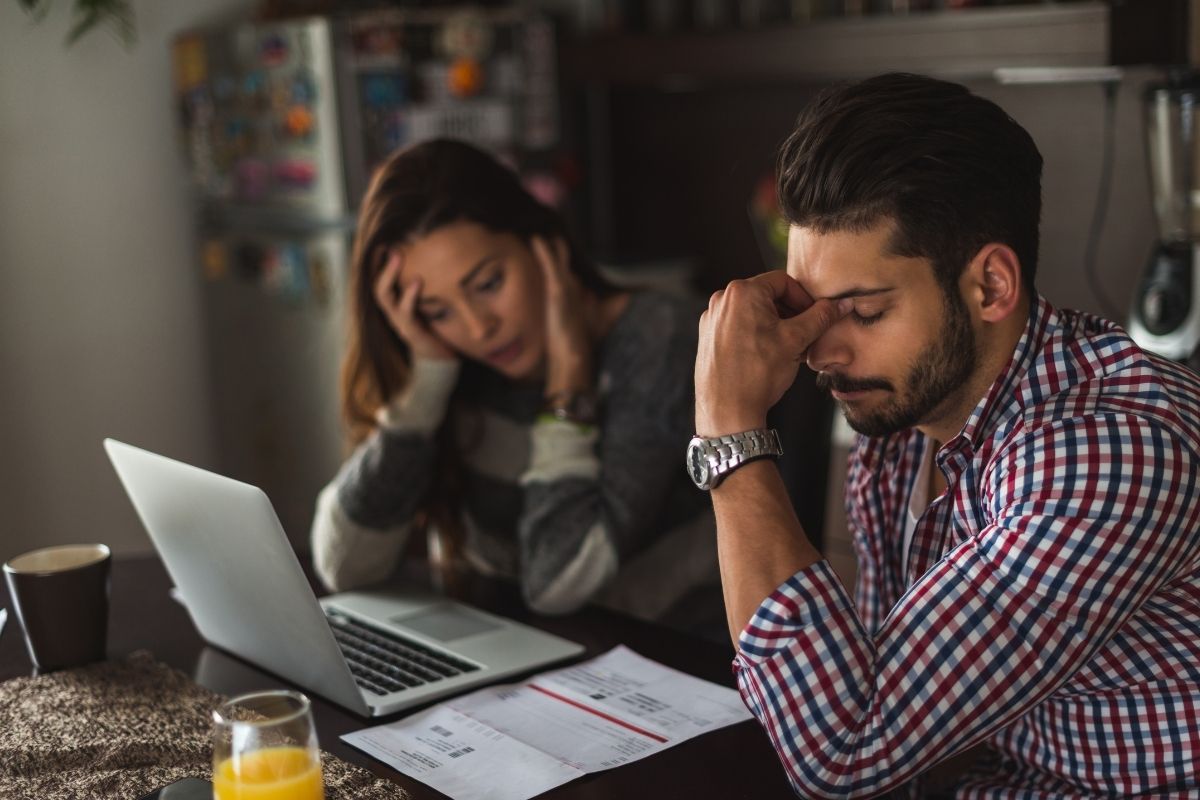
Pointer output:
x,y
710,460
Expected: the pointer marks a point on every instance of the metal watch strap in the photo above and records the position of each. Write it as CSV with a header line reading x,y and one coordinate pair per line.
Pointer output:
x,y
726,453
735,449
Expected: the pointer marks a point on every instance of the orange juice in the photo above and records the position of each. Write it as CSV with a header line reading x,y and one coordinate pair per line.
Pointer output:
x,y
273,773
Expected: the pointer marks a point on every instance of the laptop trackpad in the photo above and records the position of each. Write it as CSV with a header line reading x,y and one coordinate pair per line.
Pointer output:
x,y
445,623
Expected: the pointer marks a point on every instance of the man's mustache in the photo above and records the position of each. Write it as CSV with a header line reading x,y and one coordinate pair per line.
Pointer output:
x,y
844,385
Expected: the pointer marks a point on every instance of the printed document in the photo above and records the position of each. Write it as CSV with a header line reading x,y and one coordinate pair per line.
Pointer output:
x,y
516,741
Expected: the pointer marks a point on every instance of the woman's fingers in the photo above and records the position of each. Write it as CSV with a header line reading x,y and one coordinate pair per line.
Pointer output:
x,y
398,303
399,306
386,283
549,264
406,309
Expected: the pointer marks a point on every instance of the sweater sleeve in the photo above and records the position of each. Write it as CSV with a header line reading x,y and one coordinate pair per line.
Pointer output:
x,y
594,497
364,516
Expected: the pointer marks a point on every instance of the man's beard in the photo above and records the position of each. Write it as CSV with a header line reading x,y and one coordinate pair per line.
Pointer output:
x,y
940,370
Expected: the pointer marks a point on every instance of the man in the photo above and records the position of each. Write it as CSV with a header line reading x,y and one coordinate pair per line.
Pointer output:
x,y
1023,497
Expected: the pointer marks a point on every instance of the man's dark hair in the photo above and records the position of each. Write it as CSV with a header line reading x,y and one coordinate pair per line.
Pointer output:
x,y
951,169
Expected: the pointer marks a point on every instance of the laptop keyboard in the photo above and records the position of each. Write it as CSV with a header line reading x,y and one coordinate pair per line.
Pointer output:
x,y
383,662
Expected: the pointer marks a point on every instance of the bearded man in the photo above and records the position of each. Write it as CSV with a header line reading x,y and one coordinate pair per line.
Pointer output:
x,y
1023,495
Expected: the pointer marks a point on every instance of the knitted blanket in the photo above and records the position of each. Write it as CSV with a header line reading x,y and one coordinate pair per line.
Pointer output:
x,y
121,729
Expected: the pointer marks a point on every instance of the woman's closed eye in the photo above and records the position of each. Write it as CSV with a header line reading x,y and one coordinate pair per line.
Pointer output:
x,y
490,282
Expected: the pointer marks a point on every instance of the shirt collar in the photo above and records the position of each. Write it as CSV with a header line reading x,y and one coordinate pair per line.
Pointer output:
x,y
1003,400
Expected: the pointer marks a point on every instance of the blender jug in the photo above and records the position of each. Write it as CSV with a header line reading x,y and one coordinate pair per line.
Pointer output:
x,y
1165,317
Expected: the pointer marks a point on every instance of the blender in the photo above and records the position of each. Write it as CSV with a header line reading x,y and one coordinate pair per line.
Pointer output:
x,y
1165,317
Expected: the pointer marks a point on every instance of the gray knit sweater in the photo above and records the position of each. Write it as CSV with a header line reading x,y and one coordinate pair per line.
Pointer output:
x,y
572,515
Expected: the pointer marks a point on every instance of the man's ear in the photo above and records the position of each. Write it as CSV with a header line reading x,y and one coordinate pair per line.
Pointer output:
x,y
993,282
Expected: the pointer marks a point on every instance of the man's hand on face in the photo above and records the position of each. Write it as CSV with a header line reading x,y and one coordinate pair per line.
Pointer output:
x,y
753,338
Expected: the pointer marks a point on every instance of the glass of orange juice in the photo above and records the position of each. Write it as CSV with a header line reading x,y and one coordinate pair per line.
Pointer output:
x,y
265,748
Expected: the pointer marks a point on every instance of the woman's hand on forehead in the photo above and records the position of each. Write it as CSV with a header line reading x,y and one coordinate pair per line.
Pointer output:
x,y
399,306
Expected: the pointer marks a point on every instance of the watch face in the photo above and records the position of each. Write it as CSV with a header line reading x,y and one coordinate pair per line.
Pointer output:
x,y
697,464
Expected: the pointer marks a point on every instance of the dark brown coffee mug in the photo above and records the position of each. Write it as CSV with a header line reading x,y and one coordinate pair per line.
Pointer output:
x,y
60,595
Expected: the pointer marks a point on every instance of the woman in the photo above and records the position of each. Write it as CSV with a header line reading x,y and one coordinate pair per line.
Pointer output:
x,y
497,387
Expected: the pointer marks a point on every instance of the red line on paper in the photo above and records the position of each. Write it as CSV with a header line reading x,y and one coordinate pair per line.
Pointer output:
x,y
656,737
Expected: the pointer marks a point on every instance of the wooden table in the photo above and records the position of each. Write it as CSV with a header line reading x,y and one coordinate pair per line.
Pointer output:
x,y
734,762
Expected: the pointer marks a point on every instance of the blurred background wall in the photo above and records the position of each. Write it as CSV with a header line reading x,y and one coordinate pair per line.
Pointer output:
x,y
100,330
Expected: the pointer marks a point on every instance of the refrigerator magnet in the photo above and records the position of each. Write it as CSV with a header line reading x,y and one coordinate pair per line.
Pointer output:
x,y
466,34
214,259
465,77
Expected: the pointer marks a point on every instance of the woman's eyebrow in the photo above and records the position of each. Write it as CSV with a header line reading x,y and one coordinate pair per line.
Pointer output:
x,y
483,262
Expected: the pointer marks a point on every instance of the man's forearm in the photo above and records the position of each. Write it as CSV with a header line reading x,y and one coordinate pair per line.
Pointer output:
x,y
759,540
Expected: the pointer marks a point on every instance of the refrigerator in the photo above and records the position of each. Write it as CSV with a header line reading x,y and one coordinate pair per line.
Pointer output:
x,y
281,124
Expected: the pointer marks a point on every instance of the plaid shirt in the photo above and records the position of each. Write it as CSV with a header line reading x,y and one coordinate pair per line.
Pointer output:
x,y
1049,604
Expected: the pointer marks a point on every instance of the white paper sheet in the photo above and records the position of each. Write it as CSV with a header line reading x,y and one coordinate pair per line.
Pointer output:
x,y
514,742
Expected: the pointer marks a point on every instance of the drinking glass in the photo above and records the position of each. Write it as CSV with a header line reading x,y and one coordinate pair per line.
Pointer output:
x,y
265,748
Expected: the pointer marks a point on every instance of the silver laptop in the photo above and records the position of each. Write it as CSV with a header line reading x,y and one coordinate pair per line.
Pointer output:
x,y
372,652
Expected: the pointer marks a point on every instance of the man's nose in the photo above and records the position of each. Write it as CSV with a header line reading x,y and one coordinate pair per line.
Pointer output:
x,y
829,350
